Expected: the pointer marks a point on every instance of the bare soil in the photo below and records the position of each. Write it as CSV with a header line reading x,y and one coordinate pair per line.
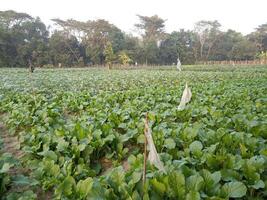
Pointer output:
x,y
11,145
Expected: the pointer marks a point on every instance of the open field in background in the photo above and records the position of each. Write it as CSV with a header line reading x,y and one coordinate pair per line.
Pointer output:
x,y
82,133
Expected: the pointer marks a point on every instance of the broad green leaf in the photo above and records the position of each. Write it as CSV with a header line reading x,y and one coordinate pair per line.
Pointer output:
x,y
259,184
193,195
230,175
66,187
195,146
141,139
84,187
216,177
23,180
177,184
136,196
81,147
49,154
109,138
169,143
159,187
235,189
130,133
136,176
190,133
194,182
62,144
26,195
5,168
123,126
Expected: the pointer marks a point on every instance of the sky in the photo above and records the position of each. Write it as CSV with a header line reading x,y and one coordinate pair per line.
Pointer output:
x,y
240,15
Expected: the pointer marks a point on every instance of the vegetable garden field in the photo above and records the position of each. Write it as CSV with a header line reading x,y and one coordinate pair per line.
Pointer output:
x,y
79,133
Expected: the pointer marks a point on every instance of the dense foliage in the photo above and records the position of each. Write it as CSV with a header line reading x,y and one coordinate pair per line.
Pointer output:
x,y
24,40
82,131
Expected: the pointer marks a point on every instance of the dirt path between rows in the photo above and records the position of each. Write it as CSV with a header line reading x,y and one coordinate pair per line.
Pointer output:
x,y
11,145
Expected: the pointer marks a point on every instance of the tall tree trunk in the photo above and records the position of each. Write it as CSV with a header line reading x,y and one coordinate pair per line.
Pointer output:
x,y
201,51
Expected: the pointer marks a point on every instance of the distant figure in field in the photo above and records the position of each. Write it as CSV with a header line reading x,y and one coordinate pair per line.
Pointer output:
x,y
31,67
32,59
179,64
136,64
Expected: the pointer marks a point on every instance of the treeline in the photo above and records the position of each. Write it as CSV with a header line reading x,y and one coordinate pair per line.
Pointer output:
x,y
26,40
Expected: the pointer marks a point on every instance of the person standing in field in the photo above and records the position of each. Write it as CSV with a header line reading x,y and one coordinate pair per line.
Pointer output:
x,y
179,64
31,67
32,59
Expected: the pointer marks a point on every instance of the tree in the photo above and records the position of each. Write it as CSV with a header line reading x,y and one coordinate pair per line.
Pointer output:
x,y
225,45
233,45
8,49
23,39
34,47
168,52
207,33
177,44
62,47
259,37
152,29
10,18
94,36
71,29
244,50
109,55
124,58
9,37
132,48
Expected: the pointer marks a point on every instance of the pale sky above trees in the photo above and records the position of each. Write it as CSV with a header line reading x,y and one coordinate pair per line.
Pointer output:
x,y
240,15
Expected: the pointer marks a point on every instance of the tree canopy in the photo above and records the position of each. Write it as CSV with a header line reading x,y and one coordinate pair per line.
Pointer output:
x,y
25,39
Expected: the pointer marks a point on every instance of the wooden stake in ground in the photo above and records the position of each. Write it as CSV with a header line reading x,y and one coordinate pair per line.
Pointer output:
x,y
145,149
